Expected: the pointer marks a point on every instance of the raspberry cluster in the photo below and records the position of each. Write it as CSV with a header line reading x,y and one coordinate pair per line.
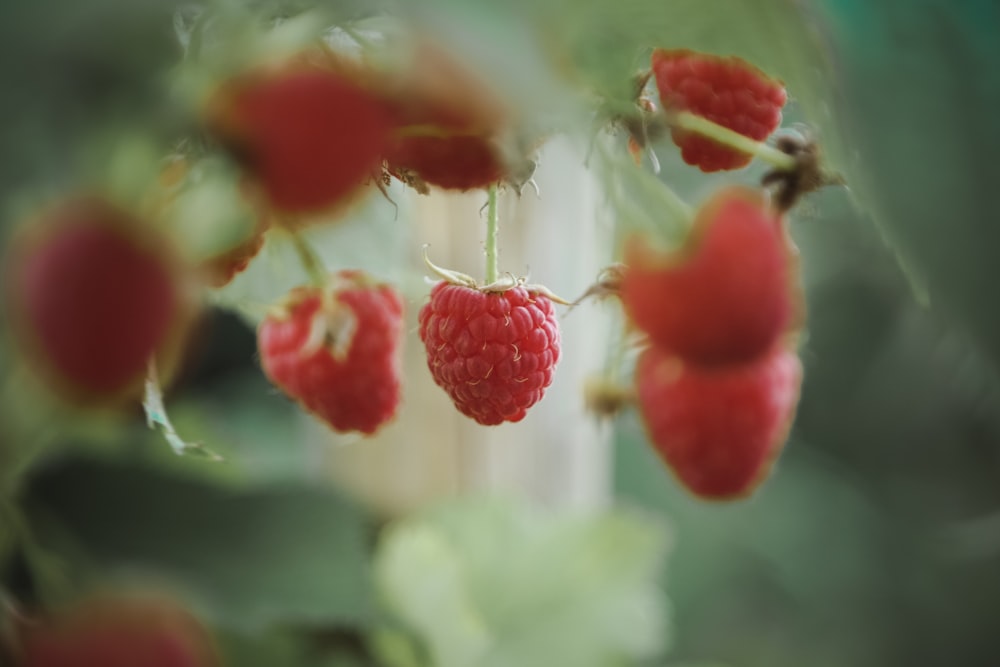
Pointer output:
x,y
96,301
718,385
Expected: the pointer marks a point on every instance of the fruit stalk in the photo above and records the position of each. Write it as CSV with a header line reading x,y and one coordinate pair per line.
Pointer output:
x,y
492,223
311,262
690,122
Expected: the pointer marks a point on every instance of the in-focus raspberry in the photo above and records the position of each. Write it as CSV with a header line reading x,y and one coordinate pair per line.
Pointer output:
x,y
493,352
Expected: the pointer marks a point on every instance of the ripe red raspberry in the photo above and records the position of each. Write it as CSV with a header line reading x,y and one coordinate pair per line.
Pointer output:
x,y
718,430
309,135
493,352
93,297
118,632
727,295
337,353
725,90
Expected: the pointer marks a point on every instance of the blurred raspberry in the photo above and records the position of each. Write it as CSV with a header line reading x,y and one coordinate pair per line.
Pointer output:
x,y
725,90
728,295
220,270
458,118
93,297
337,354
718,430
118,632
310,135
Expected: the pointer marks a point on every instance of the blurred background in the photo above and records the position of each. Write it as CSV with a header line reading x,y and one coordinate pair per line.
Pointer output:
x,y
876,541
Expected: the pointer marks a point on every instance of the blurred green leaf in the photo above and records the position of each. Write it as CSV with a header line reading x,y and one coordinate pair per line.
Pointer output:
x,y
918,89
513,586
277,553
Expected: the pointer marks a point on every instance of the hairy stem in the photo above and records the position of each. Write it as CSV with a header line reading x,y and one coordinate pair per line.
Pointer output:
x,y
310,260
492,223
689,122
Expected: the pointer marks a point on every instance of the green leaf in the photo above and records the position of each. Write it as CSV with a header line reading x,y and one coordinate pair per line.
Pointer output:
x,y
277,553
512,586
919,88
156,416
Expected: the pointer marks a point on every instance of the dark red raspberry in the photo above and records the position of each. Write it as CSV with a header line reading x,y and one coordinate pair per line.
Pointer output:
x,y
458,117
338,354
450,162
309,135
725,90
118,632
93,297
718,430
493,352
728,295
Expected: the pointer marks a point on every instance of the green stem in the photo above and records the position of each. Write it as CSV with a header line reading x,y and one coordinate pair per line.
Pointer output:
x,y
689,122
310,260
362,41
492,223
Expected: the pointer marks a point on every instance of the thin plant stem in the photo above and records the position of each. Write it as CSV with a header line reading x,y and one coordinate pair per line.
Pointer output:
x,y
310,260
689,122
492,224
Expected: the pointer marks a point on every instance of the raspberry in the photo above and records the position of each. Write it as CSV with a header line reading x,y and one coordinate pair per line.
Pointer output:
x,y
728,295
309,135
93,299
463,117
719,430
493,352
725,90
220,270
337,353
118,633
450,162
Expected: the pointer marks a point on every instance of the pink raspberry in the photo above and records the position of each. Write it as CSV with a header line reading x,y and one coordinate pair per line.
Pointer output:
x,y
493,352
